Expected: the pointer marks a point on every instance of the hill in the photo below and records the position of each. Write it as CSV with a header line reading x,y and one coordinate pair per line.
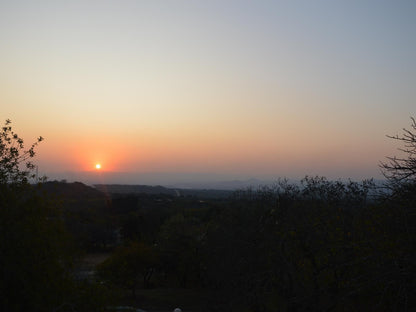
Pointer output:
x,y
158,190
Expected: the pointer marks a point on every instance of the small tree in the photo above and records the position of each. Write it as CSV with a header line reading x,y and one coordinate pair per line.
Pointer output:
x,y
130,265
402,170
16,166
33,250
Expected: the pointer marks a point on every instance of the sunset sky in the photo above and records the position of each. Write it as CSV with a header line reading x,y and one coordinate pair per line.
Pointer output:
x,y
208,89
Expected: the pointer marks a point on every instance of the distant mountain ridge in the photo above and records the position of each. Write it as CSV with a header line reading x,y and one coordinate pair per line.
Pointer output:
x,y
76,190
134,189
156,190
229,185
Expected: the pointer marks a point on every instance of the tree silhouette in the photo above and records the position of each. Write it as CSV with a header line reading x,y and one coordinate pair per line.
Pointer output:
x,y
15,162
129,266
33,250
400,170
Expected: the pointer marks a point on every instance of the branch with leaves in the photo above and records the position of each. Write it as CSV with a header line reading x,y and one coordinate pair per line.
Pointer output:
x,y
15,161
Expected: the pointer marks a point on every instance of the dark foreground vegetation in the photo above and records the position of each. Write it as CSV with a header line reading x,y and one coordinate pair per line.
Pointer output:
x,y
315,246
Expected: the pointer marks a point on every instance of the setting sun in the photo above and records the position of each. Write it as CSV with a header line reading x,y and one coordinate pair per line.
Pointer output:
x,y
98,166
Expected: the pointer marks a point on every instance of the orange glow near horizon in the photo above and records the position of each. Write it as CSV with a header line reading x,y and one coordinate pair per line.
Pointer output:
x,y
251,151
191,152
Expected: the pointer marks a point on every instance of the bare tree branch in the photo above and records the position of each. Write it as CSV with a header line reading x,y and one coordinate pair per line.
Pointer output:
x,y
402,170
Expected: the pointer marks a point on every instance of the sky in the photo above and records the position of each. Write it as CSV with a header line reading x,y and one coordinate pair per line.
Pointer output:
x,y
198,90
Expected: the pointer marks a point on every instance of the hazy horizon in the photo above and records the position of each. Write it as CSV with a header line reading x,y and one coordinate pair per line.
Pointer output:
x,y
205,89
193,180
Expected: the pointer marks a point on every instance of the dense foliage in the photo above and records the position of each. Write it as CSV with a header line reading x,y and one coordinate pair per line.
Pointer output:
x,y
315,246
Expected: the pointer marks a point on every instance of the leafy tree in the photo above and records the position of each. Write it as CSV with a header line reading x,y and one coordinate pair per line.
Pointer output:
x,y
33,271
13,157
179,244
35,249
130,266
